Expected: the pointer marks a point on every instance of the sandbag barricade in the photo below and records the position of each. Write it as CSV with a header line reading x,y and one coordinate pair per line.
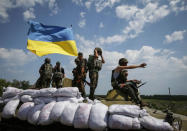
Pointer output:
x,y
65,105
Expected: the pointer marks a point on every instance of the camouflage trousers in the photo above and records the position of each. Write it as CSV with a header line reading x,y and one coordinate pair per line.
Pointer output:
x,y
93,83
132,92
57,83
43,82
80,85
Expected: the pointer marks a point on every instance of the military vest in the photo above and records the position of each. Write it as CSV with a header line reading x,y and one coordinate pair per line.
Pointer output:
x,y
94,64
47,72
58,73
118,78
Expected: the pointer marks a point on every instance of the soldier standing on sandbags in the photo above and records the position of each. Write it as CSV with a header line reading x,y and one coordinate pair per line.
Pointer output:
x,y
79,73
45,74
58,75
119,80
94,66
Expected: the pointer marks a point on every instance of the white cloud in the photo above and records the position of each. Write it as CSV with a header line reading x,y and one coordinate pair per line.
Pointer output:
x,y
82,23
178,5
99,4
82,14
175,36
15,57
6,5
101,25
29,14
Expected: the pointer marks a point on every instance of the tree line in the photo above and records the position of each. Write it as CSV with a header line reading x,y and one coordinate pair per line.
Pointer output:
x,y
14,83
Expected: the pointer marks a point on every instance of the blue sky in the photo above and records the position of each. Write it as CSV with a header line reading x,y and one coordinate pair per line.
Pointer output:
x,y
151,31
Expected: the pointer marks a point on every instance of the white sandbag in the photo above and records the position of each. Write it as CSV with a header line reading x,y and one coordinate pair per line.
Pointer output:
x,y
82,115
26,98
44,117
67,91
123,122
33,114
68,114
10,108
24,110
71,99
98,117
57,110
155,124
10,99
48,92
45,100
127,110
31,92
11,92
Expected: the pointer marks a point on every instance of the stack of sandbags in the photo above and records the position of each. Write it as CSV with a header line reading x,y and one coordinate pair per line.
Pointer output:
x,y
125,116
129,117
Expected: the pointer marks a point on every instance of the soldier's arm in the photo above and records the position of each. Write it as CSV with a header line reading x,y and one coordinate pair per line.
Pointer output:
x,y
62,70
143,65
102,58
41,69
96,53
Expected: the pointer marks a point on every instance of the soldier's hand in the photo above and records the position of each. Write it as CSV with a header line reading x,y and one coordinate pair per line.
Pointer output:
x,y
143,65
122,85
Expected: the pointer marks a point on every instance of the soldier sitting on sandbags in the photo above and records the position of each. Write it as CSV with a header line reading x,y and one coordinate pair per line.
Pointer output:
x,y
119,80
45,75
58,75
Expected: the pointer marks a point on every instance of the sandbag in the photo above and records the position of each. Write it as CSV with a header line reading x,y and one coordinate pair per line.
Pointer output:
x,y
11,92
26,98
98,117
10,99
10,108
155,124
82,115
44,117
123,122
33,114
68,114
48,92
31,92
127,110
67,91
24,109
57,110
45,100
71,99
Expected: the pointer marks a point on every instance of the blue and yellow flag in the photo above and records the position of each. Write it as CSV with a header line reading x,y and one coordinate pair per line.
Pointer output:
x,y
44,39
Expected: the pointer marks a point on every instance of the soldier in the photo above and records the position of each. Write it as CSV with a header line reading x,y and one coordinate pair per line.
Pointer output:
x,y
58,75
94,66
119,80
45,74
79,73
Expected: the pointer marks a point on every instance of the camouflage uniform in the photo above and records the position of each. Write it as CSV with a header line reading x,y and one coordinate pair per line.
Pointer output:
x,y
94,66
79,74
45,75
58,75
129,89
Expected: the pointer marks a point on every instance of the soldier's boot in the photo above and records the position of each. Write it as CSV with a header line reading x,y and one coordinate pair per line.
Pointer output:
x,y
92,91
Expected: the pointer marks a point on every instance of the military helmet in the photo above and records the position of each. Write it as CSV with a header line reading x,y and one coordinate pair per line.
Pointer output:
x,y
122,61
80,53
99,50
47,60
58,62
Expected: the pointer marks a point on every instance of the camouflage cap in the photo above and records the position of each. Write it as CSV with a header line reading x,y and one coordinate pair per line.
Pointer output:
x,y
58,62
80,53
99,50
122,61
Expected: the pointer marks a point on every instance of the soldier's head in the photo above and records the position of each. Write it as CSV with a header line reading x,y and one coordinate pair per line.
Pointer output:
x,y
58,63
123,62
47,60
80,55
99,50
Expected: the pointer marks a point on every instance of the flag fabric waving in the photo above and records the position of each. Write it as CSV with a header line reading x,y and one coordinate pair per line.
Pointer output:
x,y
44,39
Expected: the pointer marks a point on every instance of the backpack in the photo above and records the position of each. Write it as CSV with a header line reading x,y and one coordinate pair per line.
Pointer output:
x,y
94,64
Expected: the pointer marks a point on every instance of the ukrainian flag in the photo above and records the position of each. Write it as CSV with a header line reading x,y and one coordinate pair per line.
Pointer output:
x,y
44,39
